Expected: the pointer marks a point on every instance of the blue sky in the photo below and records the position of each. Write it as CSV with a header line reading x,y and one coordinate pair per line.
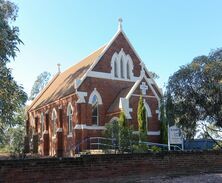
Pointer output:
x,y
165,34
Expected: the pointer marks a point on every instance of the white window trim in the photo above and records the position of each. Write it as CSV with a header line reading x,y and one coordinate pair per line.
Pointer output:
x,y
95,92
104,75
69,105
148,113
69,115
99,98
42,123
93,127
124,58
54,127
113,60
148,110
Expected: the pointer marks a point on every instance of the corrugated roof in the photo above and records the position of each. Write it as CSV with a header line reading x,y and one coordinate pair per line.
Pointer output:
x,y
63,84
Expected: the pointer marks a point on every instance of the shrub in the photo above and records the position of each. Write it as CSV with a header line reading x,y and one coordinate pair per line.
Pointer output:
x,y
155,149
140,148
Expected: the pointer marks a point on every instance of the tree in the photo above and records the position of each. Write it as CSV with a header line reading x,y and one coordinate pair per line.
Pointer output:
x,y
9,39
12,99
121,133
14,136
39,84
125,134
141,117
122,120
196,92
12,96
163,123
112,132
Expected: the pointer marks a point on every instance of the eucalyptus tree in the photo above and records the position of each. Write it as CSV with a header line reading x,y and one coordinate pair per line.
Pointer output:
x,y
12,96
195,91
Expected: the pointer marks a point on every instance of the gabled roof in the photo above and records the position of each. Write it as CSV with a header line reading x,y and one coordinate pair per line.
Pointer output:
x,y
62,84
115,105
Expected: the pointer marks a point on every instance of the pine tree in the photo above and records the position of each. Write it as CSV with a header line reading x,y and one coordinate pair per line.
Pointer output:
x,y
163,123
141,117
122,120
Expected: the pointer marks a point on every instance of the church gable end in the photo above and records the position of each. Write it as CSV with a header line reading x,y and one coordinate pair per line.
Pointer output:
x,y
119,55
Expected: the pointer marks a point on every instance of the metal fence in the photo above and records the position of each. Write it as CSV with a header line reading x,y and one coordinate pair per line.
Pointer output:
x,y
98,143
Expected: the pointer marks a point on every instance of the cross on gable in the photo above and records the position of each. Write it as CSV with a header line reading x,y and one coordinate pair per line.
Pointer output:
x,y
143,88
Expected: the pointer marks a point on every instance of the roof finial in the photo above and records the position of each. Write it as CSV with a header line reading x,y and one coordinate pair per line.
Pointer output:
x,y
58,65
120,20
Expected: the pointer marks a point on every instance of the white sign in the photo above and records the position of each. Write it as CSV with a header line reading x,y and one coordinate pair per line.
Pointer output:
x,y
175,136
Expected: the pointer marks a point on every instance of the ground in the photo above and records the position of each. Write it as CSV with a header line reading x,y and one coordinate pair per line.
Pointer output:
x,y
4,155
200,178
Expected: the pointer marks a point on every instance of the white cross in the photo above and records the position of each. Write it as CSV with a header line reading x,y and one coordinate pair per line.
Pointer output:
x,y
120,20
143,88
59,65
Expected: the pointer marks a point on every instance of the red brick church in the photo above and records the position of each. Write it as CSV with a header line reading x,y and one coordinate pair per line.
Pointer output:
x,y
77,103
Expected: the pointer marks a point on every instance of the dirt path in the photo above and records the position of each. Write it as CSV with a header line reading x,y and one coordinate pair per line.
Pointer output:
x,y
4,156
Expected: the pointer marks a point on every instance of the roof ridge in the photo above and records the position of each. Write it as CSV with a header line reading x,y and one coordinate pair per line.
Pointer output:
x,y
91,53
85,61
43,90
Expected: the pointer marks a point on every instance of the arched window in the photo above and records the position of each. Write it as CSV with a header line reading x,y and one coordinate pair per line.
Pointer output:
x,y
148,113
121,67
128,70
95,110
115,69
69,115
95,99
54,117
42,123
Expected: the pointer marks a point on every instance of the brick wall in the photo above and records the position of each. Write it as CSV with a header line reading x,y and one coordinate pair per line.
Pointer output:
x,y
120,42
108,166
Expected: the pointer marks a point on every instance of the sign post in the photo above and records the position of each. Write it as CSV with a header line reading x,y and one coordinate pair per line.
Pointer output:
x,y
174,136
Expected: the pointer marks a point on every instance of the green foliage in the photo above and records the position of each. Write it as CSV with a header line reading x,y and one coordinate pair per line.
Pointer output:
x,y
112,132
122,120
12,99
17,140
155,149
9,39
140,148
141,117
125,134
169,110
39,84
125,139
196,93
217,146
163,123
12,96
121,132
14,136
